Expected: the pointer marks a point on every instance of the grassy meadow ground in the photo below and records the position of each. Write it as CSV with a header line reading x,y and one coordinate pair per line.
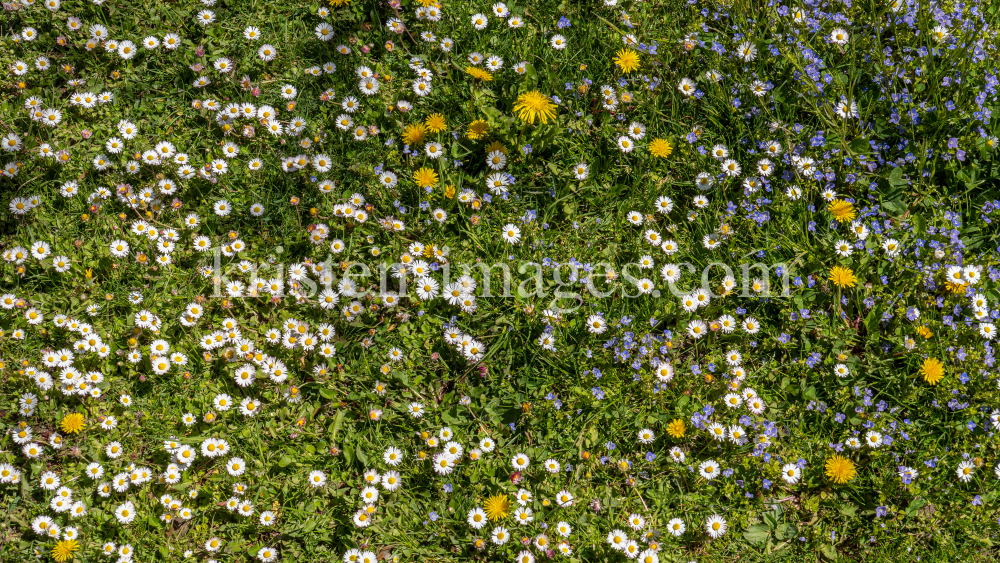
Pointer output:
x,y
598,280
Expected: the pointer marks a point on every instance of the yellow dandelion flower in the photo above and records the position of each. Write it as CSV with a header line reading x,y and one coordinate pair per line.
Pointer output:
x,y
932,370
72,423
495,146
425,177
677,429
479,74
840,470
63,551
842,277
660,148
435,123
414,134
449,191
924,331
841,210
627,60
496,507
477,130
956,288
535,105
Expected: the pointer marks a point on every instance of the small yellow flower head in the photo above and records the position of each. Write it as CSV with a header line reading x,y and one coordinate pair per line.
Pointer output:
x,y
677,429
436,123
496,507
425,177
414,134
535,105
477,129
63,551
932,370
842,277
479,74
495,146
660,148
627,60
72,423
840,470
956,288
841,210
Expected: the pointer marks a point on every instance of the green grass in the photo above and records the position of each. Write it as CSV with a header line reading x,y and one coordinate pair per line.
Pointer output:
x,y
928,183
